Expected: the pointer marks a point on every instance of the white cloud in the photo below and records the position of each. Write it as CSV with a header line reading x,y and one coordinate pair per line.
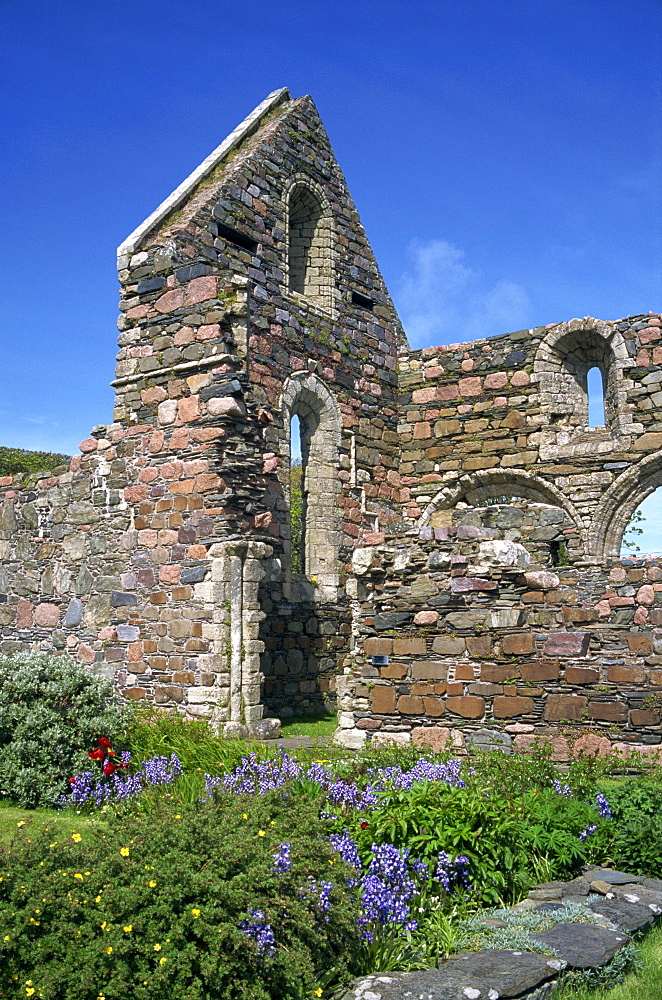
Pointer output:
x,y
443,301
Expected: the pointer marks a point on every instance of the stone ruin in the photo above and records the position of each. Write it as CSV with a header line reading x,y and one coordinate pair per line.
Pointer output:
x,y
462,520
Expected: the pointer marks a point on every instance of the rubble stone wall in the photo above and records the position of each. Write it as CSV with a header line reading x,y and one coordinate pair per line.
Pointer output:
x,y
162,556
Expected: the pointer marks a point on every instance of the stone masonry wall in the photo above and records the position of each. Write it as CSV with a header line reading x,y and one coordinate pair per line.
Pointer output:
x,y
509,415
161,556
482,647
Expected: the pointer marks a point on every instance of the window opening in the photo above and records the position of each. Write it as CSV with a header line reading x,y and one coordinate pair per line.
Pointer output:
x,y
596,397
362,300
297,511
643,532
234,236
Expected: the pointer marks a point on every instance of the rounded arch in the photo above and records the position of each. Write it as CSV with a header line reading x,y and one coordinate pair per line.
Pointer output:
x,y
308,398
566,354
619,504
309,226
479,486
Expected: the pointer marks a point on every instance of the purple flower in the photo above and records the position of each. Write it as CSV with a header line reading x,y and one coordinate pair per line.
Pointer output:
x,y
346,848
122,786
260,931
282,863
603,806
386,891
452,873
319,894
588,831
562,789
255,777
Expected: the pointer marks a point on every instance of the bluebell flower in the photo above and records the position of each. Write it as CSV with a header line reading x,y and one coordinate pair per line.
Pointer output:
x,y
282,862
603,806
260,931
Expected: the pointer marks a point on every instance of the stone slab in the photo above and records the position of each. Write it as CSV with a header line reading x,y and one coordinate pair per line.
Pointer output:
x,y
582,946
482,975
628,917
612,877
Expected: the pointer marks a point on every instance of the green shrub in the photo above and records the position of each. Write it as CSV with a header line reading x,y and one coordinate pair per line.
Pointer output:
x,y
637,826
505,842
155,910
51,712
18,460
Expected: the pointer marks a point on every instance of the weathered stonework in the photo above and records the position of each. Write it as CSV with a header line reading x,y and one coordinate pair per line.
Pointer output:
x,y
460,517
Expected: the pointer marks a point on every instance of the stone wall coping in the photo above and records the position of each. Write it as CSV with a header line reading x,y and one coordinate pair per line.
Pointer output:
x,y
244,129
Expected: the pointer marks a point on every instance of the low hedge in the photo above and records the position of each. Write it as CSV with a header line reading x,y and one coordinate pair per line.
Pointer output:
x,y
239,897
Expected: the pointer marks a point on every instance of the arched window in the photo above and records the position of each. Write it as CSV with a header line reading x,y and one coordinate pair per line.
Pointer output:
x,y
311,414
583,395
309,246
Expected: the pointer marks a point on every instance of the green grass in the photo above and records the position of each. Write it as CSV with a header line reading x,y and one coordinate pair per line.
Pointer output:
x,y
644,984
314,727
23,822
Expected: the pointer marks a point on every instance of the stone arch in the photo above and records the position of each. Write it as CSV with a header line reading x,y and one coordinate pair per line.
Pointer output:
x,y
619,504
481,485
307,397
563,359
548,523
309,242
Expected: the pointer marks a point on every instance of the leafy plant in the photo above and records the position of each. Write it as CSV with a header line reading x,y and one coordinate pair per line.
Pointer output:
x,y
52,711
241,897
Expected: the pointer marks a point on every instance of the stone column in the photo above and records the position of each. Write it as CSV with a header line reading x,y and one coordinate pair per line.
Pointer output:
x,y
238,568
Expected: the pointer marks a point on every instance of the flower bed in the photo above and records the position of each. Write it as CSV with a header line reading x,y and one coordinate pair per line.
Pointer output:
x,y
284,876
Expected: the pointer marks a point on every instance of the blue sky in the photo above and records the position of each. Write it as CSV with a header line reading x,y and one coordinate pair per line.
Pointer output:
x,y
504,155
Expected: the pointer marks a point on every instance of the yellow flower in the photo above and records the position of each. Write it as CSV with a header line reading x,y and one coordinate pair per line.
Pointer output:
x,y
195,912
162,961
101,997
54,844
109,949
273,822
244,815
22,823
76,837
157,947
97,899
7,938
128,928
28,982
261,833
151,883
29,990
78,875
317,992
124,851
178,816
104,925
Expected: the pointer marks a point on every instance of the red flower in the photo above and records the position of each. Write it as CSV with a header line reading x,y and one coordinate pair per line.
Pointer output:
x,y
111,753
72,781
108,767
97,754
121,766
364,825
104,742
